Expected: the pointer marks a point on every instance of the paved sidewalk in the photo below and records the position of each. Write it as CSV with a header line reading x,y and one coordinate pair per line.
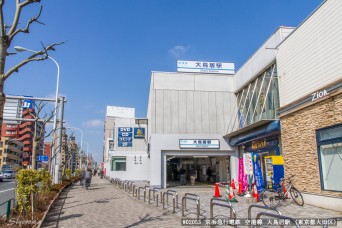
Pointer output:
x,y
105,205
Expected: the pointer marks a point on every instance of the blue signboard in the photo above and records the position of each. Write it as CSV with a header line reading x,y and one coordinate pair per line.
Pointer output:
x,y
28,104
125,136
43,158
139,133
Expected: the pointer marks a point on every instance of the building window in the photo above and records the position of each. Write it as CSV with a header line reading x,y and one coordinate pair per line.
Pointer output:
x,y
118,164
329,144
111,145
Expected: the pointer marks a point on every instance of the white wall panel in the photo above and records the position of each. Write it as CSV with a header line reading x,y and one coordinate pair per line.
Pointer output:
x,y
173,81
159,103
263,57
190,117
167,110
198,111
212,109
219,112
311,57
182,112
214,83
205,112
174,111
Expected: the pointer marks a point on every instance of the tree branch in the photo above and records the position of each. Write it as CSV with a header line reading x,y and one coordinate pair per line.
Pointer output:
x,y
2,24
27,29
19,7
44,55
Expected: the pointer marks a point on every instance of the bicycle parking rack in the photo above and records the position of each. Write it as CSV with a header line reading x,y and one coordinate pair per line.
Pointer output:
x,y
174,192
276,216
135,190
229,205
190,196
138,195
173,200
161,194
145,192
154,190
262,207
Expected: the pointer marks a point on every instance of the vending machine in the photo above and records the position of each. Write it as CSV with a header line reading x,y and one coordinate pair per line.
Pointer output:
x,y
274,170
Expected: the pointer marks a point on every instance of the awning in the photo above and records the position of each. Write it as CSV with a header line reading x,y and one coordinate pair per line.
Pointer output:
x,y
257,132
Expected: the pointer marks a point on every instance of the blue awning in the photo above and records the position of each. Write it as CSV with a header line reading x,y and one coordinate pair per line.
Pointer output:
x,y
261,132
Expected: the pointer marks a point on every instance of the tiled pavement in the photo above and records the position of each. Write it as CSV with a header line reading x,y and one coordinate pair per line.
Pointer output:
x,y
105,205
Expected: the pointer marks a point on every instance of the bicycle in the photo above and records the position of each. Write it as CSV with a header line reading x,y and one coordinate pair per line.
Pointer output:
x,y
271,197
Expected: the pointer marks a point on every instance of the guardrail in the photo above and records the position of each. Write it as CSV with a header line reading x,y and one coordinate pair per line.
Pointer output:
x,y
190,196
229,205
8,208
173,200
262,207
138,195
276,216
174,192
145,192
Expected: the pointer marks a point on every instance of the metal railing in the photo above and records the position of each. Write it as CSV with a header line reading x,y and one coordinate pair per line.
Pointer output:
x,y
262,207
173,201
138,195
229,205
154,190
276,216
8,207
145,192
193,197
174,192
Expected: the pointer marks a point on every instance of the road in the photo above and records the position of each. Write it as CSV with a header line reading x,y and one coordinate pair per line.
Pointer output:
x,y
7,191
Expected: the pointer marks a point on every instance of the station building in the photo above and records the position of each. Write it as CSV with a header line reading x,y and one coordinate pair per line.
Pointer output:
x,y
285,100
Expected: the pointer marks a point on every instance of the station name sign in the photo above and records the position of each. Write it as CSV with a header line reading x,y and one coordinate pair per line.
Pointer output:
x,y
199,144
205,67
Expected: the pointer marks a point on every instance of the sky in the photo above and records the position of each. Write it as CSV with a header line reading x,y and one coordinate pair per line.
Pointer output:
x,y
112,46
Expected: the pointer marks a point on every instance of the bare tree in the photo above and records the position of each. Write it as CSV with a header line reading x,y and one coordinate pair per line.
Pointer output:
x,y
7,34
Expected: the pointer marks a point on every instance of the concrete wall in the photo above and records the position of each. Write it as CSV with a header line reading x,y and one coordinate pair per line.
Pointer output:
x,y
186,103
310,58
261,59
299,143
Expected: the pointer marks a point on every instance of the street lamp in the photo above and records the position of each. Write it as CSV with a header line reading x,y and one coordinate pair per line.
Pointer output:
x,y
81,142
22,49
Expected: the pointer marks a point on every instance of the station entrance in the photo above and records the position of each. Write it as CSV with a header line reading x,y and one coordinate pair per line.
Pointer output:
x,y
196,170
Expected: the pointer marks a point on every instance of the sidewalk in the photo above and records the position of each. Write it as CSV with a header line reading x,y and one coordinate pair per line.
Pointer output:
x,y
104,205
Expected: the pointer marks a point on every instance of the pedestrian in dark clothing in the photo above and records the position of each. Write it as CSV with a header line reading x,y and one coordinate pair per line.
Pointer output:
x,y
182,173
82,175
209,173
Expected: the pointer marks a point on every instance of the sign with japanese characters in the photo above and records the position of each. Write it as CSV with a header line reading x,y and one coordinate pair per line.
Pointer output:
x,y
199,143
205,67
125,136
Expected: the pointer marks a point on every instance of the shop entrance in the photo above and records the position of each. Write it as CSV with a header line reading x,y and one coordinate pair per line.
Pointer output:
x,y
196,170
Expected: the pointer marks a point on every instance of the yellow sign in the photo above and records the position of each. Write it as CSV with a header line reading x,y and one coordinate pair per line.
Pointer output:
x,y
258,144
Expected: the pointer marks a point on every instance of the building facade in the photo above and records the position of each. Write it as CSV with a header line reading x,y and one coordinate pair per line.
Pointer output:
x,y
310,71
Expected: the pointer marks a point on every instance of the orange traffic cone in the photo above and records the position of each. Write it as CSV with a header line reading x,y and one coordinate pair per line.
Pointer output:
x,y
232,184
240,188
256,194
217,191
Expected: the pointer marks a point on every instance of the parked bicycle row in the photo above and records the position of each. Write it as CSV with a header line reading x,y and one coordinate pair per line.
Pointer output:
x,y
161,197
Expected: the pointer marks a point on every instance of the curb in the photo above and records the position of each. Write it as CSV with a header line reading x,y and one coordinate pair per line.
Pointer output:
x,y
40,223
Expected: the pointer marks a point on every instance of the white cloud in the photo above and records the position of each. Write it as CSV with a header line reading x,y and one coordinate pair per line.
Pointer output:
x,y
53,95
93,123
178,51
